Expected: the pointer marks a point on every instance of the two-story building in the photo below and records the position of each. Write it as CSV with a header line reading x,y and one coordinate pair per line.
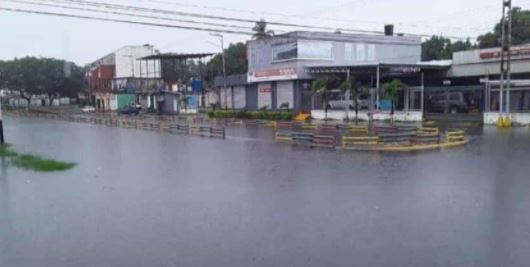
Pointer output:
x,y
114,79
281,69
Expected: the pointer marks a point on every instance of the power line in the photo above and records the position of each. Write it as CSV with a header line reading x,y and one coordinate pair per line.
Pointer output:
x,y
18,10
181,13
126,14
252,12
205,16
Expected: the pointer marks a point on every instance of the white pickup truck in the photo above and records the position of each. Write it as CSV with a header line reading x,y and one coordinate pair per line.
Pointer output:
x,y
341,101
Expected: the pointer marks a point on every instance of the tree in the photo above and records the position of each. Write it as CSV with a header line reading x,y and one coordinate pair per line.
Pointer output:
x,y
260,30
37,76
390,91
354,88
236,62
320,86
439,47
520,30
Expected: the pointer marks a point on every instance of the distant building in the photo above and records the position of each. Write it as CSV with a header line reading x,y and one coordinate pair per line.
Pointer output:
x,y
114,79
281,68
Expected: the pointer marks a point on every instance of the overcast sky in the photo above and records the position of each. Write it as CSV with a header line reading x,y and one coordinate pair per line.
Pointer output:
x,y
83,41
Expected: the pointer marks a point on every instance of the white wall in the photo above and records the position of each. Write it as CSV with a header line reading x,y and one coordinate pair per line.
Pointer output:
x,y
412,116
239,97
126,56
264,95
226,97
113,102
490,118
284,93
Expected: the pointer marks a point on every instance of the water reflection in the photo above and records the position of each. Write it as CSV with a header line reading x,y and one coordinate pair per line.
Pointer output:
x,y
5,219
149,199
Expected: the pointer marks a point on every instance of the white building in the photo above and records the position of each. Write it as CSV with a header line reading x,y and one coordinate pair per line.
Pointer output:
x,y
128,65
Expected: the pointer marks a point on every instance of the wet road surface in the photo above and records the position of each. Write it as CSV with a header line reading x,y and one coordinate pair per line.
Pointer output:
x,y
142,198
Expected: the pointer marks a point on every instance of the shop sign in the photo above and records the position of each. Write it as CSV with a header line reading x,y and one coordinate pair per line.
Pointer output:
x,y
517,52
405,69
273,75
265,90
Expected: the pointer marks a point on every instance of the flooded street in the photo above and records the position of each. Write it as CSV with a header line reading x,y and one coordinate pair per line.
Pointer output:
x,y
139,198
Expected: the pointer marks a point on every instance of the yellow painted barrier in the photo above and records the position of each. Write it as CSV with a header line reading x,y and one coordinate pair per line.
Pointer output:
x,y
271,124
454,136
283,137
308,126
408,148
429,122
348,141
358,129
428,130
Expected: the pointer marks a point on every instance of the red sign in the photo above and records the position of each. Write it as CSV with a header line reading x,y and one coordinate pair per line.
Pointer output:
x,y
265,90
497,54
273,74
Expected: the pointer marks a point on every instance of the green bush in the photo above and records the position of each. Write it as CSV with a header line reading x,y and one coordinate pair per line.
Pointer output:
x,y
253,115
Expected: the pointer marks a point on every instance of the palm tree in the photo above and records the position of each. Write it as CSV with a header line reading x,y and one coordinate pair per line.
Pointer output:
x,y
260,30
354,88
320,86
390,91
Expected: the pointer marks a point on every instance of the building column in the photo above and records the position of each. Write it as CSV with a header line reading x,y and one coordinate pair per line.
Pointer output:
x,y
377,86
422,91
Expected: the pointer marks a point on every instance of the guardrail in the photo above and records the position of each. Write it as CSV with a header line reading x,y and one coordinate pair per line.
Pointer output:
x,y
178,128
385,129
428,130
327,127
354,141
200,131
391,138
426,139
300,138
149,126
283,136
452,136
324,141
359,130
111,122
129,124
217,132
306,139
284,124
307,126
251,123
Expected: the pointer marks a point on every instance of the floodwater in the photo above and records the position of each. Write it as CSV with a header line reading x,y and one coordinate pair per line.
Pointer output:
x,y
142,198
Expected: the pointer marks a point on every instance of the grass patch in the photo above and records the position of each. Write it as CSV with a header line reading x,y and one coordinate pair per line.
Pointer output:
x,y
33,162
5,151
38,163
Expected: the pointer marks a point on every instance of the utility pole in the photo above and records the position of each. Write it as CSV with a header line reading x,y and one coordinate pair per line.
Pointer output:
x,y
1,124
224,66
1,121
506,42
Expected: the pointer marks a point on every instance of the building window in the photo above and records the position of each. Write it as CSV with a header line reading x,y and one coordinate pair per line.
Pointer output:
x,y
284,52
359,52
348,55
303,50
315,50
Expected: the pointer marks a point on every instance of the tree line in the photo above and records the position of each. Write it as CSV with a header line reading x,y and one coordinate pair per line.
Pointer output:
x,y
42,76
439,47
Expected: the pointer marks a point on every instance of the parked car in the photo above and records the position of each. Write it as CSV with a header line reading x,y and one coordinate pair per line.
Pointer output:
x,y
131,110
455,102
340,100
88,109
